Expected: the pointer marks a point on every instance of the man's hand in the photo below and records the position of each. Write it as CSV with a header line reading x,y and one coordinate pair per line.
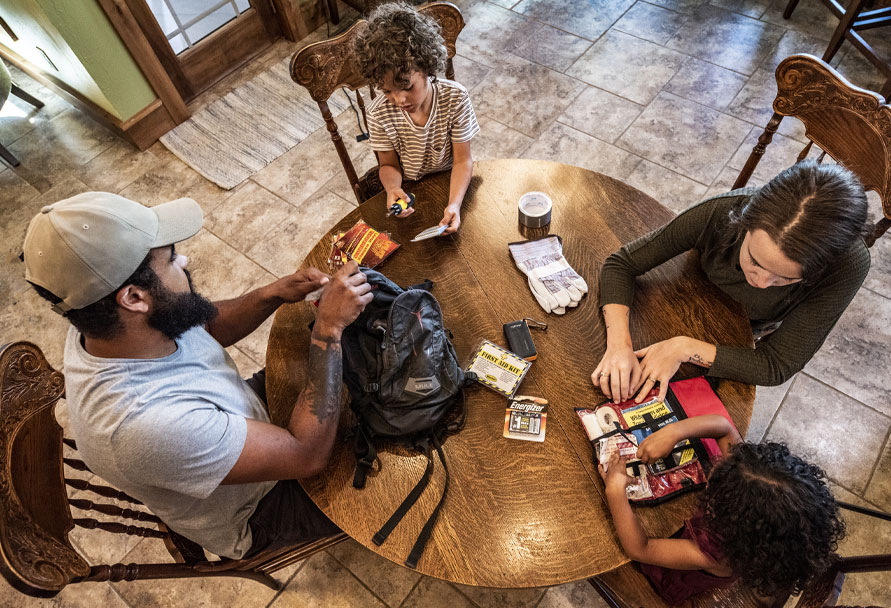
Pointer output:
x,y
295,287
617,373
451,217
394,195
345,296
614,477
658,445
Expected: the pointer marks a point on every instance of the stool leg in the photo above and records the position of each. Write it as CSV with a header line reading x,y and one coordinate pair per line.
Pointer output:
x,y
789,8
333,12
844,24
8,157
18,92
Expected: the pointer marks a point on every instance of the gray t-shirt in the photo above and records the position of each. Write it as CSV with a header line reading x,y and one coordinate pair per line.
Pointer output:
x,y
167,431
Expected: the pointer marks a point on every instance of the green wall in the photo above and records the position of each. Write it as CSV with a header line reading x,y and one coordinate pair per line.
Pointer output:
x,y
87,52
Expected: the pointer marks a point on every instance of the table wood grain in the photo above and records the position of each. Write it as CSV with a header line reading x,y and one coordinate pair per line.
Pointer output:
x,y
518,514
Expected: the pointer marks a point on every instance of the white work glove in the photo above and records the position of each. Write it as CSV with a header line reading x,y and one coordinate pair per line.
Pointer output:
x,y
551,279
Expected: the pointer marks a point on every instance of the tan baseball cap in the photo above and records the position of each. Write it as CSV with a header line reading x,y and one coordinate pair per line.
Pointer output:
x,y
85,247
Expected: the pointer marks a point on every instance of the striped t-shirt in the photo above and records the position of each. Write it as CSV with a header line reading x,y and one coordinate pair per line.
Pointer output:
x,y
426,149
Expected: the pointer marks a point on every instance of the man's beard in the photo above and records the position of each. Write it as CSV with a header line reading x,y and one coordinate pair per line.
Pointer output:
x,y
175,313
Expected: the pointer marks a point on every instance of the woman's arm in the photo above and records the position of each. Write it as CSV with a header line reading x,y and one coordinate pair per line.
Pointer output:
x,y
619,370
618,373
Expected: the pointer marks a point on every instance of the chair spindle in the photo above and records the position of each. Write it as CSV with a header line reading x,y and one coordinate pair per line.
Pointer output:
x,y
105,491
758,151
89,505
116,528
76,464
805,151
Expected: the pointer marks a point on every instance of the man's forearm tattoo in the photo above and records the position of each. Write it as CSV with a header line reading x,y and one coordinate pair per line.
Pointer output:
x,y
324,372
695,358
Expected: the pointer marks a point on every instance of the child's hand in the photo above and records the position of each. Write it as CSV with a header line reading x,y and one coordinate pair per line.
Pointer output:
x,y
451,217
658,445
614,476
396,194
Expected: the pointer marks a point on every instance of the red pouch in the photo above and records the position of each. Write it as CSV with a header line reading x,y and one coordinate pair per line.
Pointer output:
x,y
687,467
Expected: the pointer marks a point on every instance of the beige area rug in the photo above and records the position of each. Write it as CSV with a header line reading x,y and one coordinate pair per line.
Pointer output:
x,y
255,123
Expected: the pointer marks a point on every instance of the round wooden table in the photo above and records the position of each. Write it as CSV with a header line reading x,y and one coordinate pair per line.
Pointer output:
x,y
518,513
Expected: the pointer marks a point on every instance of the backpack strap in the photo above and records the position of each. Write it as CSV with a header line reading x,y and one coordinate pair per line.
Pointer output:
x,y
412,560
366,454
382,534
426,285
460,420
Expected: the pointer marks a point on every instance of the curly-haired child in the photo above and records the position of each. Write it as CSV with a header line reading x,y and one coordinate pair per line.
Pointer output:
x,y
767,517
421,124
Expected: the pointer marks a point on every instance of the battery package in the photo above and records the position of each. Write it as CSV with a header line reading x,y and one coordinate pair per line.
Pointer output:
x,y
526,418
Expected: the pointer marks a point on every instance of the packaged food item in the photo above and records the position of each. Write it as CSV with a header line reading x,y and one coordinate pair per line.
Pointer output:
x,y
361,243
526,418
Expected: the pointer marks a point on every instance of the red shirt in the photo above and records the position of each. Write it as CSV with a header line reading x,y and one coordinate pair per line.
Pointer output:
x,y
676,586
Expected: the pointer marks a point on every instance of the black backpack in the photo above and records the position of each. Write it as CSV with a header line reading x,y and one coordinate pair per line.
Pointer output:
x,y
405,385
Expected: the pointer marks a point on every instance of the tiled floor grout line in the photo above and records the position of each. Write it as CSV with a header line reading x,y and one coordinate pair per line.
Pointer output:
x,y
877,463
779,407
873,291
361,582
287,582
408,595
838,390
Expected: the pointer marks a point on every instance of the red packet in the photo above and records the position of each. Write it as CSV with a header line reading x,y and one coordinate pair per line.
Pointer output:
x,y
364,244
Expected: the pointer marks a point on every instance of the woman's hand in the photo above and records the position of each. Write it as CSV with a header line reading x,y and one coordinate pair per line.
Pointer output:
x,y
614,477
658,445
618,373
659,362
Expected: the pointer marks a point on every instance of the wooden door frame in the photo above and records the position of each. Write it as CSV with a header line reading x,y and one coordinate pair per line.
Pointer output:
x,y
148,45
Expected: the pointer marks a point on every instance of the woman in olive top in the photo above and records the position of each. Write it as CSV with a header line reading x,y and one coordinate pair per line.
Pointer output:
x,y
791,253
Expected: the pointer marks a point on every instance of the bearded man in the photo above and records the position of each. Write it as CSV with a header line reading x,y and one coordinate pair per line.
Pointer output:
x,y
157,406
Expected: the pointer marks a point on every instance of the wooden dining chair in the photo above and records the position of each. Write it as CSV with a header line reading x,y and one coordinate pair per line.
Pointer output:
x,y
856,18
324,67
850,124
626,587
7,87
36,556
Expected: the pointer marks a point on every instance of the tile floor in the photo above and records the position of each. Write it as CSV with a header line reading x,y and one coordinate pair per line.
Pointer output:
x,y
667,95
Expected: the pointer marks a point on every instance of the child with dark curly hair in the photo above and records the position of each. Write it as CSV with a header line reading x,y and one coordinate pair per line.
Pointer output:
x,y
767,517
421,124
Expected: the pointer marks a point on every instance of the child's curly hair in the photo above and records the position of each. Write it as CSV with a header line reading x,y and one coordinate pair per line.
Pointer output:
x,y
775,518
397,39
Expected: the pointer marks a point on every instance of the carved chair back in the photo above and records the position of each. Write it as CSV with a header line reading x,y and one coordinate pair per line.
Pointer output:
x,y
324,67
36,556
850,124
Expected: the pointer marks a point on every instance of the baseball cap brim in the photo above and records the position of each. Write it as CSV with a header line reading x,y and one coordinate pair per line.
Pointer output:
x,y
177,220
